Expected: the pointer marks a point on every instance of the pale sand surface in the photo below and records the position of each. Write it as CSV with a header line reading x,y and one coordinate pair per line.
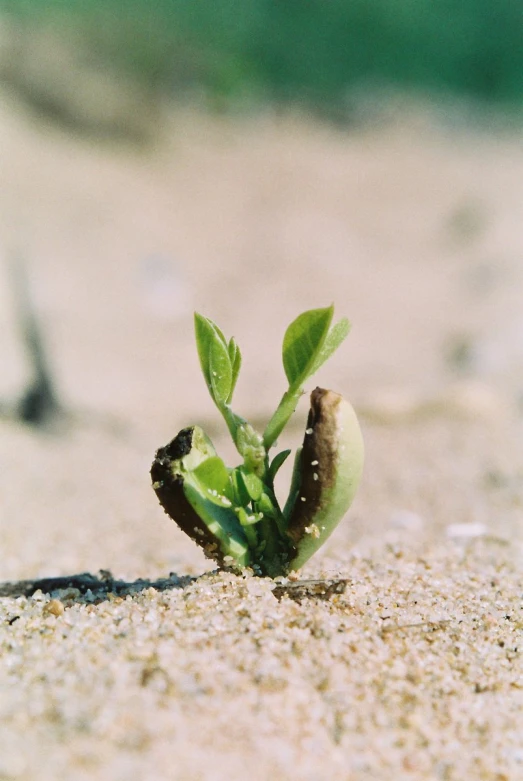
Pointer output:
x,y
415,671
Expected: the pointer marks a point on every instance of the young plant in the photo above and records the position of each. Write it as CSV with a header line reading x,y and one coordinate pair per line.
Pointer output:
x,y
233,514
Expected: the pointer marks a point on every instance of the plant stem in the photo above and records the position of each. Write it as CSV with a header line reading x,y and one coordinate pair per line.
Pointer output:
x,y
252,537
233,421
277,423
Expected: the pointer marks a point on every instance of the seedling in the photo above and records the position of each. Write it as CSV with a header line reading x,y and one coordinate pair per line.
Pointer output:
x,y
233,514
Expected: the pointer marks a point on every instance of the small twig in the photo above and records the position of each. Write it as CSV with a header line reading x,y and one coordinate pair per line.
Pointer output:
x,y
310,589
428,624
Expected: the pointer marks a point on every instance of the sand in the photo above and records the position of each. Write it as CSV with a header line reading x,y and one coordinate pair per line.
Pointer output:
x,y
410,665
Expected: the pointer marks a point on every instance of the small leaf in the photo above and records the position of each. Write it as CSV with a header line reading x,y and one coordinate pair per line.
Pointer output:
x,y
207,333
221,372
240,493
307,344
222,524
295,484
266,506
277,462
235,357
334,338
219,332
302,343
211,478
253,484
213,474
247,518
232,347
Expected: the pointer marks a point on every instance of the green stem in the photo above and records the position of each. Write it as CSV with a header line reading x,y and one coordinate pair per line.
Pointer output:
x,y
252,537
277,423
233,421
267,533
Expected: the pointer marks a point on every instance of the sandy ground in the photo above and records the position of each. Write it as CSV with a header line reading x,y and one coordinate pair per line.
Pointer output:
x,y
415,671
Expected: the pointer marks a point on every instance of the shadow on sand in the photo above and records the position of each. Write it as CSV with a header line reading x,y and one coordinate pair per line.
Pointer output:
x,y
103,584
99,585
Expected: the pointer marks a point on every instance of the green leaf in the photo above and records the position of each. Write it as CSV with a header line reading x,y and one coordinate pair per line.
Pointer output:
x,y
222,523
207,333
239,489
252,483
233,349
212,479
295,484
221,372
302,343
213,474
307,344
335,337
247,518
277,462
204,333
220,364
235,357
266,506
219,332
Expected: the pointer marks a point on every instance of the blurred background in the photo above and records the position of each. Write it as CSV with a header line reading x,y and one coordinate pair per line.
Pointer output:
x,y
251,160
320,54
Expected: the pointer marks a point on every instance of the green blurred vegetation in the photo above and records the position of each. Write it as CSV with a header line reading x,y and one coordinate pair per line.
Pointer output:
x,y
313,51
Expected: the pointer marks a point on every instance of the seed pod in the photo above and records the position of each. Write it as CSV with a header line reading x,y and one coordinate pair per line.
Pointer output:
x,y
327,473
192,504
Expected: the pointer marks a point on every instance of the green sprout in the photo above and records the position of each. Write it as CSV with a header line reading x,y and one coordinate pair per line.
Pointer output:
x,y
233,514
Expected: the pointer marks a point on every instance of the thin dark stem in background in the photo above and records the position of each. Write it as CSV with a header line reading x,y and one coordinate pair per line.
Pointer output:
x,y
39,403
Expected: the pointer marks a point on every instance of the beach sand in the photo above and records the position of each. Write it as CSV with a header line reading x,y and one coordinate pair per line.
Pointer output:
x,y
400,657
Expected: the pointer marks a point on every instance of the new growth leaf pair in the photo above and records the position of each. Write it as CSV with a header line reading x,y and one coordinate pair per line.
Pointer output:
x,y
234,513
